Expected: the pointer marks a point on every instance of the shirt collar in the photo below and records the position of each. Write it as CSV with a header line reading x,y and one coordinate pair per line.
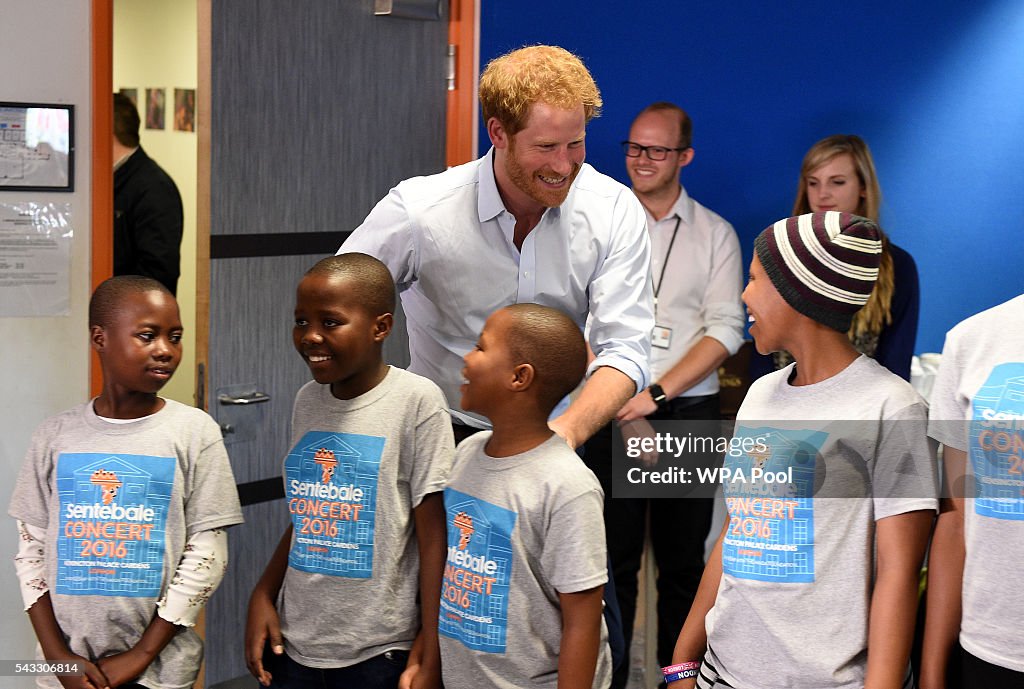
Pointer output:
x,y
489,203
683,207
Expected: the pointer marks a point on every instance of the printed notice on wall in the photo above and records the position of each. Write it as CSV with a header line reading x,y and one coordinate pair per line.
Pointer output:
x,y
35,259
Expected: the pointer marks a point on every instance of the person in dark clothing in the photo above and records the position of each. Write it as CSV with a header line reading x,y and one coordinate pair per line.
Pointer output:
x,y
148,216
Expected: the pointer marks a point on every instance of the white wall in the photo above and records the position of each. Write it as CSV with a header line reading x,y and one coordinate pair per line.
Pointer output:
x,y
44,362
156,46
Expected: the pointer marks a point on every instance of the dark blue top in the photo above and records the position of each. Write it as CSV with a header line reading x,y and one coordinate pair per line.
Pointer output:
x,y
896,341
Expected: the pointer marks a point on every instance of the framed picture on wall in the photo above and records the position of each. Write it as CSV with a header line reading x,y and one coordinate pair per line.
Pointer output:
x,y
185,110
156,105
37,147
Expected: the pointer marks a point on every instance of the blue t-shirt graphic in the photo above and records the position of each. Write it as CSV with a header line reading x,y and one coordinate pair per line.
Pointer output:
x,y
997,443
478,572
331,487
113,521
771,525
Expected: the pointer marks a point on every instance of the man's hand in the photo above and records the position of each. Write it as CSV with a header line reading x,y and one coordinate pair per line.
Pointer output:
x,y
637,407
563,431
603,393
640,428
262,625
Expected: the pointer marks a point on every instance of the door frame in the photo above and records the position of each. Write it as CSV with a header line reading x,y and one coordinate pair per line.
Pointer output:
x,y
102,229
462,125
204,107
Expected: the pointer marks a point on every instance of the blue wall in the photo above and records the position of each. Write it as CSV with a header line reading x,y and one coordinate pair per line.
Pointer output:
x,y
937,90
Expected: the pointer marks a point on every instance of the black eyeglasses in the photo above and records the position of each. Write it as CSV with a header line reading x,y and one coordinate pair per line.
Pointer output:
x,y
653,152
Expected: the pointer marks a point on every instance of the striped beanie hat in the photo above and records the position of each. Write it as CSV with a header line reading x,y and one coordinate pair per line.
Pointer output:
x,y
823,264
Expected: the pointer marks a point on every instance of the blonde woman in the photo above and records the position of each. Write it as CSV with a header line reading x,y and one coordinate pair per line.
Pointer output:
x,y
838,174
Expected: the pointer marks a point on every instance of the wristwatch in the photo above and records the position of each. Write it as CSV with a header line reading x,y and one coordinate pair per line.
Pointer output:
x,y
657,394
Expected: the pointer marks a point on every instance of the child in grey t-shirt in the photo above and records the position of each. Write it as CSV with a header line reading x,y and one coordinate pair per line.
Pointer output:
x,y
977,554
371,449
813,582
521,601
121,507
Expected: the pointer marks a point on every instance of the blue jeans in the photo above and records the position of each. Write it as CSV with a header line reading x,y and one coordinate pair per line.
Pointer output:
x,y
379,672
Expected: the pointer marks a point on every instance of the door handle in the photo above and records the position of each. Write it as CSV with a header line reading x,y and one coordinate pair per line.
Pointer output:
x,y
251,398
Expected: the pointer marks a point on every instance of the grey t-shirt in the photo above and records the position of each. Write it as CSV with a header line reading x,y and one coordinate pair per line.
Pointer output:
x,y
356,470
793,602
521,530
118,502
978,407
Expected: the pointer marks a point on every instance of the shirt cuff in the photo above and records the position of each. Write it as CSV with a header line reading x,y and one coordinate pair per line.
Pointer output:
x,y
639,374
30,563
198,575
730,338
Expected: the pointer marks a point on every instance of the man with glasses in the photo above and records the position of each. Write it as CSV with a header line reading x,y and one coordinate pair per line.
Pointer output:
x,y
527,222
698,277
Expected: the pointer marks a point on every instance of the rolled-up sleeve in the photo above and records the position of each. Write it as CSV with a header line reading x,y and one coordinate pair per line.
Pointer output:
x,y
621,296
723,306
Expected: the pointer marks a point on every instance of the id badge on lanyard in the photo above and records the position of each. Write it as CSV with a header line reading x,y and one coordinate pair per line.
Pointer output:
x,y
661,337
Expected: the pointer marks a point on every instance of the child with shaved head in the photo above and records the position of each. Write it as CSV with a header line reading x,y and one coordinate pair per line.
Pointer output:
x,y
353,585
521,602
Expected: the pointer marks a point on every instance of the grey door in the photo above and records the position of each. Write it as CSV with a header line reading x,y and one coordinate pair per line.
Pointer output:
x,y
318,108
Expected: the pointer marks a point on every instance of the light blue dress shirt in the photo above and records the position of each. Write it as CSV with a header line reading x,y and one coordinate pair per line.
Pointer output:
x,y
447,240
